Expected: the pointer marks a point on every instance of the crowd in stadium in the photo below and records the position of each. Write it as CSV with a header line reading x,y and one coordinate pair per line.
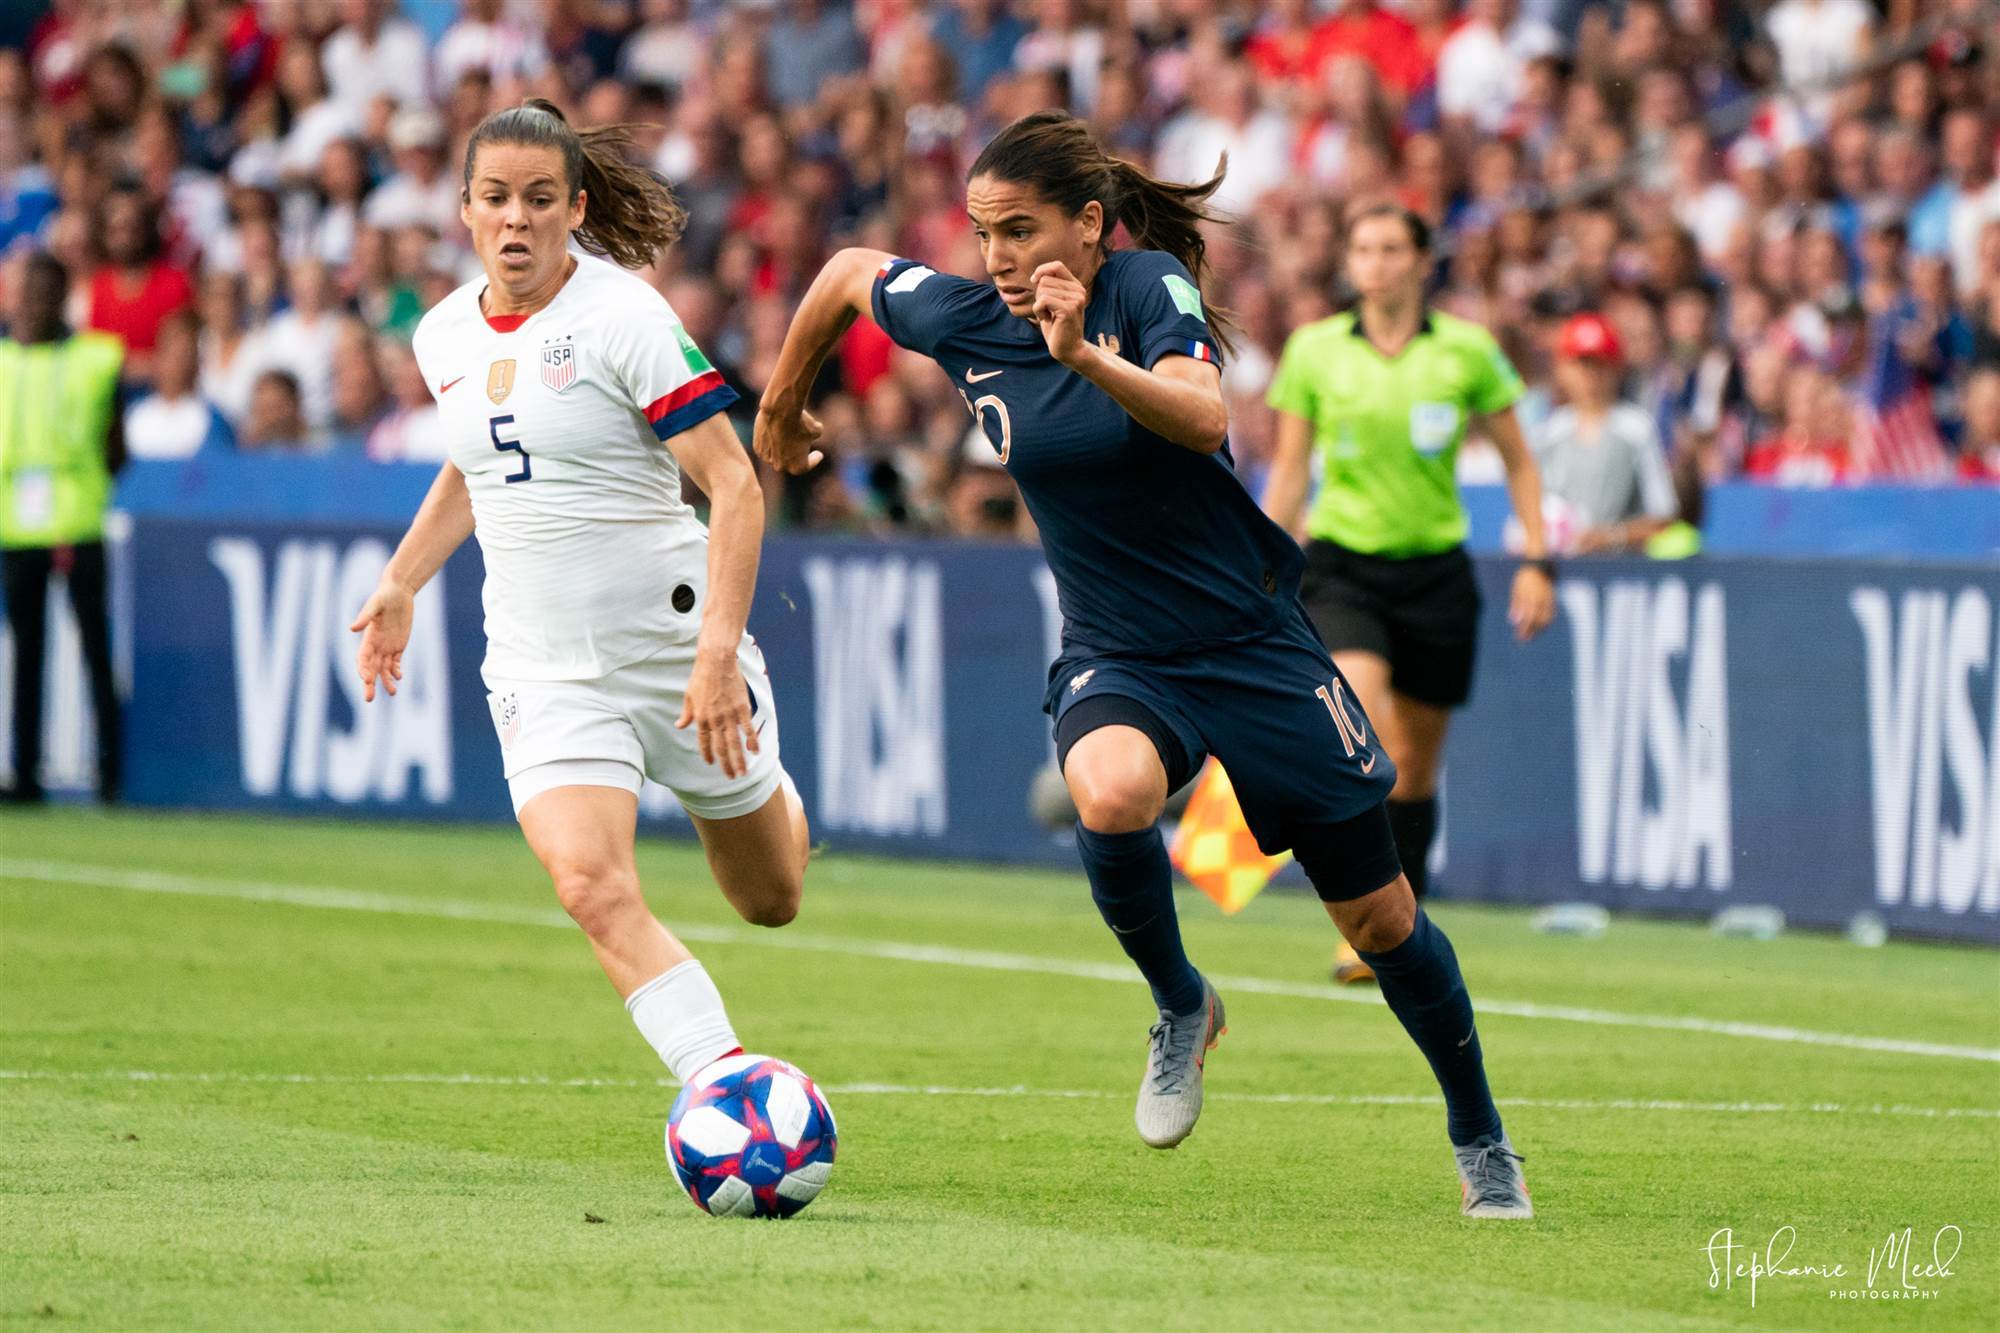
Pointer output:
x,y
1787,214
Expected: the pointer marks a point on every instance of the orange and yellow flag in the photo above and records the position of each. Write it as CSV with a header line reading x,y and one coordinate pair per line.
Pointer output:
x,y
1214,847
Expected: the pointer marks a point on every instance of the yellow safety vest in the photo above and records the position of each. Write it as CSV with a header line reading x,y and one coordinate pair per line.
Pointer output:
x,y
56,401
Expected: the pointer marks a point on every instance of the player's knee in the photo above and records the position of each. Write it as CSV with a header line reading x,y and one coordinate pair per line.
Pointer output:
x,y
595,895
1377,922
777,907
1115,804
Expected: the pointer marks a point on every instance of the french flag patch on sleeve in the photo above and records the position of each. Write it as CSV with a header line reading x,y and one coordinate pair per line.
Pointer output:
x,y
1199,350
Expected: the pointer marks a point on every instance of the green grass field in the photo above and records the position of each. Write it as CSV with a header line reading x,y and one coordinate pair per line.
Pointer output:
x,y
306,1075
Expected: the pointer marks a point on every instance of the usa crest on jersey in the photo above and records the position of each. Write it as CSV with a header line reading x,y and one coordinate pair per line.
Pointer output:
x,y
559,363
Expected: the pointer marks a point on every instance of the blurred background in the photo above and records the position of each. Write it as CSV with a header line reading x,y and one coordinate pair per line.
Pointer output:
x,y
1788,211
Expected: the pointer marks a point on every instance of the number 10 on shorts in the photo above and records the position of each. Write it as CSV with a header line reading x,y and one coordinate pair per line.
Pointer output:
x,y
1353,730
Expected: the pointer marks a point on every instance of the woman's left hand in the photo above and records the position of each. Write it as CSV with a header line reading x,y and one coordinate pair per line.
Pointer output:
x,y
717,705
1533,605
1059,303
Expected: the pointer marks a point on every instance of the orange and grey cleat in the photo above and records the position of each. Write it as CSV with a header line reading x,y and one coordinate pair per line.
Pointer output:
x,y
1348,969
1177,1052
1490,1182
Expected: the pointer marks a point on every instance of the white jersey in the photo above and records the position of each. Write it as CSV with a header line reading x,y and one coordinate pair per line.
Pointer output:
x,y
593,560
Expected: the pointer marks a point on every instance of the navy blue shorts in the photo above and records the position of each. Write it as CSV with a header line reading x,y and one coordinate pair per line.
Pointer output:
x,y
1275,711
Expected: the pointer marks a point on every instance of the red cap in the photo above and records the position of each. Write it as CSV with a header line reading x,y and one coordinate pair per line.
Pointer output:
x,y
1589,337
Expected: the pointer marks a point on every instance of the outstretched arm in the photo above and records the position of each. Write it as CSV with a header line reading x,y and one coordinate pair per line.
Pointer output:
x,y
786,432
441,527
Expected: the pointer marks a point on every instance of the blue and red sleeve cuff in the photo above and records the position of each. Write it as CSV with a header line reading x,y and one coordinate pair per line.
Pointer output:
x,y
1180,344
690,405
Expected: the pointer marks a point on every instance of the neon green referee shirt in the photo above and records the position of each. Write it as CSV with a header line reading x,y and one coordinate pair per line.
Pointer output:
x,y
1386,431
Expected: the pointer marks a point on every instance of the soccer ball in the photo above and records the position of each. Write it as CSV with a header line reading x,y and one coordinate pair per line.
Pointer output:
x,y
750,1136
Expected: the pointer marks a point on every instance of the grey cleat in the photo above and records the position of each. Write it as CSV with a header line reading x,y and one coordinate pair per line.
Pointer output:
x,y
1170,1094
1490,1180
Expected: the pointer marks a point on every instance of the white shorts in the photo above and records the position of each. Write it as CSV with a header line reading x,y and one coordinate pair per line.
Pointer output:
x,y
618,729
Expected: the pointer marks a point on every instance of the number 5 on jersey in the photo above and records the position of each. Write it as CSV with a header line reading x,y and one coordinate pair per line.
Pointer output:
x,y
527,472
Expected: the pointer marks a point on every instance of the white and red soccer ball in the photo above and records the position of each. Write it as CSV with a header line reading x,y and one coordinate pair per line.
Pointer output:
x,y
750,1136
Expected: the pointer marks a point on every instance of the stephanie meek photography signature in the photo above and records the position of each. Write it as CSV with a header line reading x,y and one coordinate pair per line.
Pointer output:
x,y
1897,1269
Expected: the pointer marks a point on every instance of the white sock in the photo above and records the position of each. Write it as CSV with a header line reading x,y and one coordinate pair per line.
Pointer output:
x,y
680,1015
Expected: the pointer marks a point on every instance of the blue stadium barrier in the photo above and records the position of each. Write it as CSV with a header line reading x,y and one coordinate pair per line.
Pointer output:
x,y
1864,522
1924,523
1821,736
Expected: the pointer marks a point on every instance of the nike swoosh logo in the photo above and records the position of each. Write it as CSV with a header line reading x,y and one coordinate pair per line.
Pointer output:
x,y
1369,767
1468,1037
971,378
447,388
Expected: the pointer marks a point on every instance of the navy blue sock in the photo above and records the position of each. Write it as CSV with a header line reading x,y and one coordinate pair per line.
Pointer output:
x,y
1133,886
1420,980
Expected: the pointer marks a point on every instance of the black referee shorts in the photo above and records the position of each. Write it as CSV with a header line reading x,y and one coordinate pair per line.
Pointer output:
x,y
1419,613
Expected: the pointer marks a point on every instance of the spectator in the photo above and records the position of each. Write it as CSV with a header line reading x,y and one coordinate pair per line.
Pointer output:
x,y
1063,42
175,421
1969,194
1599,455
982,501
275,423
227,374
316,118
301,341
28,196
1226,118
1382,37
359,400
812,42
1483,65
1356,121
511,54
1818,40
1698,374
195,206
343,180
408,432
1709,207
375,53
1812,449
1283,49
135,290
1758,414
424,191
1979,451
666,50
982,36
61,441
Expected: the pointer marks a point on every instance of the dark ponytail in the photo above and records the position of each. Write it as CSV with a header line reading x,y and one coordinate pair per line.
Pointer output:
x,y
1056,155
631,214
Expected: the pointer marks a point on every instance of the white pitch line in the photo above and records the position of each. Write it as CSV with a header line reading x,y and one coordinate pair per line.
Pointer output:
x,y
363,900
1014,1090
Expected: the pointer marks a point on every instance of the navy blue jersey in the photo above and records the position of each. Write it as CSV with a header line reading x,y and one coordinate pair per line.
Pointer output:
x,y
1156,549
